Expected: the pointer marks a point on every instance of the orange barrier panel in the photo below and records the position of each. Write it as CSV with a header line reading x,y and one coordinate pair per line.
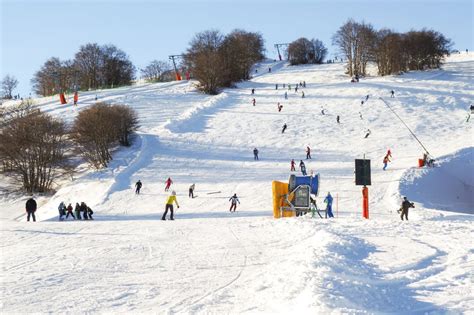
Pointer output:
x,y
62,98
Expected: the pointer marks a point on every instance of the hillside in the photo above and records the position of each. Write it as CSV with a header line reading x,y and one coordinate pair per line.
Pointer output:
x,y
210,260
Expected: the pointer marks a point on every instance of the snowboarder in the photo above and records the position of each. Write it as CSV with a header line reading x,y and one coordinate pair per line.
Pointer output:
x,y
328,200
385,162
253,91
292,166
69,212
30,209
62,210
308,152
169,205
138,186
405,206
191,191
77,210
338,119
286,95
233,205
84,211
168,183
392,93
253,102
302,168
255,154
279,107
367,134
284,128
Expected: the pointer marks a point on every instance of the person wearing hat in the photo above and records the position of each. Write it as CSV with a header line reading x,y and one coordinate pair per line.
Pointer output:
x,y
169,205
405,206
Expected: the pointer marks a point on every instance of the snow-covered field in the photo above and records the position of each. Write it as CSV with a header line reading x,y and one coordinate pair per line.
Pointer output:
x,y
211,261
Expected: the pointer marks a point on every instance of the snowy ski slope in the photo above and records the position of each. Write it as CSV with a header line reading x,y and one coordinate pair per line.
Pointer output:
x,y
211,261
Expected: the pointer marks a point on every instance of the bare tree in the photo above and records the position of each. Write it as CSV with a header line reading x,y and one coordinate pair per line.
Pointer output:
x,y
88,60
154,72
32,149
116,68
304,51
9,83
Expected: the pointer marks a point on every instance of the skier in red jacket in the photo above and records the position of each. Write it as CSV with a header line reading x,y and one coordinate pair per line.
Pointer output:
x,y
168,183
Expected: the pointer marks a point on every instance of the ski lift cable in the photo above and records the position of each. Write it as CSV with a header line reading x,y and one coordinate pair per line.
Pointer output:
x,y
412,133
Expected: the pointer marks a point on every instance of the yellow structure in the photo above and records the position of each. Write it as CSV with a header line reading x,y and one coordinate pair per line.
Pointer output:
x,y
280,190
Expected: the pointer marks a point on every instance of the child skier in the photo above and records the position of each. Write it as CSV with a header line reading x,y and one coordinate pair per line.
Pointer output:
x,y
233,205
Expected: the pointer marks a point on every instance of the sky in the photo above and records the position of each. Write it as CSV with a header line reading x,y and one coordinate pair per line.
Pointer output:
x,y
32,31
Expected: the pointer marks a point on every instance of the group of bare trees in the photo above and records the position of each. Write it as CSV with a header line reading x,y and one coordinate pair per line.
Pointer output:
x,y
35,148
93,67
305,51
156,71
393,52
9,83
218,61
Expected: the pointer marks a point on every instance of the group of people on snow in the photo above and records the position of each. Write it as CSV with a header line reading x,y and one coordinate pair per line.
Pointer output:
x,y
82,208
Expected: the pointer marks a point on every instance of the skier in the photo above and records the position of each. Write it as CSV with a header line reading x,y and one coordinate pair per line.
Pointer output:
x,y
361,102
253,102
253,91
304,84
169,205
284,128
328,200
286,95
279,107
62,210
360,115
270,69
367,97
308,152
302,168
84,211
289,87
30,209
69,212
392,93
191,191
296,89
138,186
77,210
385,162
292,166
405,206
368,132
168,183
255,154
338,119
76,97
322,111
276,86
302,94
233,205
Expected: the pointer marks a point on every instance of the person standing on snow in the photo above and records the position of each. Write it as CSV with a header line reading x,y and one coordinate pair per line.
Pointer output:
x,y
276,86
338,119
389,153
405,206
304,84
77,210
289,87
84,211
69,212
30,208
302,168
286,95
168,183
296,89
284,128
169,206
328,200
385,162
76,97
138,186
292,165
308,152
392,93
233,204
253,91
62,210
191,191
253,102
255,154
279,107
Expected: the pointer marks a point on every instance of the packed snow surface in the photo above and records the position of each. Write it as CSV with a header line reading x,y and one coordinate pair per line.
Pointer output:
x,y
211,261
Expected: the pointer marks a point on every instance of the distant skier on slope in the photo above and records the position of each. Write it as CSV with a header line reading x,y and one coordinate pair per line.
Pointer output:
x,y
286,95
303,168
367,133
385,162
292,163
338,119
392,94
62,210
168,183
280,107
253,91
169,206
138,186
191,191
404,208
84,211
233,205
308,152
77,210
69,212
255,154
284,128
253,102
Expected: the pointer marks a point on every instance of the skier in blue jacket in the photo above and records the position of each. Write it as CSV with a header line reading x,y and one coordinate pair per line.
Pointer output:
x,y
328,201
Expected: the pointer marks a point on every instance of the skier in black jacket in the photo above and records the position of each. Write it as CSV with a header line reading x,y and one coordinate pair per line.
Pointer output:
x,y
405,206
31,209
